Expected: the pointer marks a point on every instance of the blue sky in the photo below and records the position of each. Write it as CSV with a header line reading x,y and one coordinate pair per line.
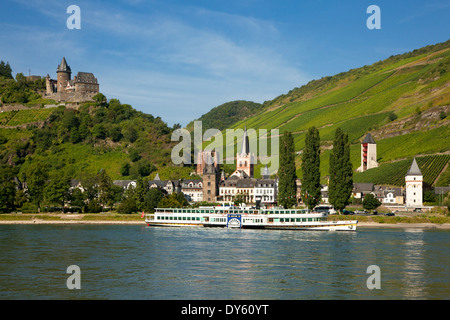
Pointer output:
x,y
179,59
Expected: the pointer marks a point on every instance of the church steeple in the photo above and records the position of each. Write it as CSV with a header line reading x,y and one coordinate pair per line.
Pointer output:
x,y
245,148
245,159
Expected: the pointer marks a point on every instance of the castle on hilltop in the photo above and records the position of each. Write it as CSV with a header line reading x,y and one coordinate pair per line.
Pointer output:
x,y
81,88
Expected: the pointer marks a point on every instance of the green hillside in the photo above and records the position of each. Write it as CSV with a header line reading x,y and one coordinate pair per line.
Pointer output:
x,y
227,114
80,141
403,101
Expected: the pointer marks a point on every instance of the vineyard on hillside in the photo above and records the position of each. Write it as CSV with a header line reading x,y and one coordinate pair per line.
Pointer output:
x,y
394,173
19,117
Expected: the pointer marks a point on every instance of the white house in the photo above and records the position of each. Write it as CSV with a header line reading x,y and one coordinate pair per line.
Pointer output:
x,y
266,191
192,190
228,190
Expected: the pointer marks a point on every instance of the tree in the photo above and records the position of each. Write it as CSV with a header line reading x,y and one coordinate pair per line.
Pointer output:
x,y
152,199
5,70
105,190
170,201
125,169
370,202
37,176
287,187
311,169
57,190
128,204
116,134
7,189
130,133
140,192
341,172
77,198
99,98
239,199
99,131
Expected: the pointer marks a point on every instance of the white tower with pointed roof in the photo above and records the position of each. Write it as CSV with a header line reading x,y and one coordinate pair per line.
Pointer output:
x,y
414,186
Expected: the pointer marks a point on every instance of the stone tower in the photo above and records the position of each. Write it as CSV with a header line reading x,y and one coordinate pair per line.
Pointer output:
x,y
63,73
414,186
210,183
48,85
245,159
368,154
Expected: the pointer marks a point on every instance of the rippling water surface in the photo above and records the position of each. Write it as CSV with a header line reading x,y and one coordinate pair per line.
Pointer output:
x,y
139,262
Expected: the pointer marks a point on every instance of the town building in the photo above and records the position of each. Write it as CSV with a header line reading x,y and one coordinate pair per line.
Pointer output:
x,y
126,184
246,187
266,191
389,195
192,190
361,189
228,190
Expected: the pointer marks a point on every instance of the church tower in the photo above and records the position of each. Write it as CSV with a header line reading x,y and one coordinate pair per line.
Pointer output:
x,y
414,186
245,159
368,154
63,73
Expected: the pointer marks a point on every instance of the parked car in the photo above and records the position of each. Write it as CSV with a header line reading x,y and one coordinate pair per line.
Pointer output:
x,y
360,211
417,210
375,212
348,212
390,214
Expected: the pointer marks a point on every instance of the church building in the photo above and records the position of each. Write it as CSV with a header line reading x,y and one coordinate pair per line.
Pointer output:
x,y
244,160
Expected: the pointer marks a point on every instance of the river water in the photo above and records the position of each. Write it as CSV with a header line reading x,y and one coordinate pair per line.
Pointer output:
x,y
140,262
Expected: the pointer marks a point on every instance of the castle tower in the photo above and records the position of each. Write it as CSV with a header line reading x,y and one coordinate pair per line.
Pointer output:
x,y
63,73
414,186
368,154
245,159
48,85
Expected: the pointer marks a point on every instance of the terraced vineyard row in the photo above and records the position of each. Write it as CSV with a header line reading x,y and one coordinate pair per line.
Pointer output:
x,y
18,117
394,173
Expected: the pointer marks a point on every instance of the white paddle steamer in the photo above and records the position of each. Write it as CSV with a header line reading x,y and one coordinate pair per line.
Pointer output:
x,y
239,217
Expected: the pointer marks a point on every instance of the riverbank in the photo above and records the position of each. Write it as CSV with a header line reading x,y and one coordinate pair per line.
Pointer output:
x,y
50,218
422,221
